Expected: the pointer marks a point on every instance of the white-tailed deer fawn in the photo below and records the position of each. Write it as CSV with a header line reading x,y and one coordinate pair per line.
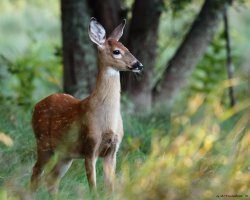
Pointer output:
x,y
88,128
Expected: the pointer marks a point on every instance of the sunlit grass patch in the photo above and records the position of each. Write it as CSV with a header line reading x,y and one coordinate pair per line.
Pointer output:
x,y
197,152
199,158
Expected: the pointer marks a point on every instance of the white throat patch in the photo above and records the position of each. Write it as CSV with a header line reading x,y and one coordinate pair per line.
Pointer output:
x,y
112,72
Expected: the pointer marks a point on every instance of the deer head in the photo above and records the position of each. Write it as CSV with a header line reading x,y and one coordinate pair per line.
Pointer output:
x,y
113,53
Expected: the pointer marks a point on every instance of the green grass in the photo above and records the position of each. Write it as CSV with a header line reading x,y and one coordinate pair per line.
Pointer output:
x,y
195,152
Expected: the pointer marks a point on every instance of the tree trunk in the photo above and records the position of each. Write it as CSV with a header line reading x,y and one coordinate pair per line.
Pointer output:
x,y
190,51
142,42
107,12
78,54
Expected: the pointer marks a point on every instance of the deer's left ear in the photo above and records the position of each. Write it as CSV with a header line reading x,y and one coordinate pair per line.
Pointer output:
x,y
97,33
117,33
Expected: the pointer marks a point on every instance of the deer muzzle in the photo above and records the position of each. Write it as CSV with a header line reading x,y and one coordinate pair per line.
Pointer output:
x,y
137,67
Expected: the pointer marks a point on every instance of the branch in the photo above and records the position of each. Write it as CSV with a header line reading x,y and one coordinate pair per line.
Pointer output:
x,y
190,51
229,65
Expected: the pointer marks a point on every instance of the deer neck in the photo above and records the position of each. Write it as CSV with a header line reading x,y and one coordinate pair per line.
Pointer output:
x,y
107,89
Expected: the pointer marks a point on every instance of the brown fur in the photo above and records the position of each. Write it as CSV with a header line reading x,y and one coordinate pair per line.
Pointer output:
x,y
88,128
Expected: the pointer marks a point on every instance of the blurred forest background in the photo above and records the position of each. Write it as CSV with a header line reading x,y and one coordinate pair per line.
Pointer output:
x,y
186,116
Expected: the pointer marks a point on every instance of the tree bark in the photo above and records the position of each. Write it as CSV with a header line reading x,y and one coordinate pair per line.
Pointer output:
x,y
142,42
190,51
78,54
107,12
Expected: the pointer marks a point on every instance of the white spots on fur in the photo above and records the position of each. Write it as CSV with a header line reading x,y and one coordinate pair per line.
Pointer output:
x,y
67,95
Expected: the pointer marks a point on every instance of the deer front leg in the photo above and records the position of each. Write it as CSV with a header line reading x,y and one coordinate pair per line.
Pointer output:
x,y
90,163
109,165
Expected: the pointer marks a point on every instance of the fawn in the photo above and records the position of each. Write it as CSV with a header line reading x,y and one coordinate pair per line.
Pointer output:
x,y
88,128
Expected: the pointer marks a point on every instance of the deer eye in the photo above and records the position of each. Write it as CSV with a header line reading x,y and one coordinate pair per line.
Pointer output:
x,y
116,52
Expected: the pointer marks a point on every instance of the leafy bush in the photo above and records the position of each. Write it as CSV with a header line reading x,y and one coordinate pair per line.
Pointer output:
x,y
30,67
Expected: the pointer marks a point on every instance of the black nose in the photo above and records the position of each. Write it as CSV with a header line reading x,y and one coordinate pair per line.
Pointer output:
x,y
137,66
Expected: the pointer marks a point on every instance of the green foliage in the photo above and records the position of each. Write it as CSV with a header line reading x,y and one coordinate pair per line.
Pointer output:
x,y
203,159
29,67
27,76
212,69
179,5
172,30
198,152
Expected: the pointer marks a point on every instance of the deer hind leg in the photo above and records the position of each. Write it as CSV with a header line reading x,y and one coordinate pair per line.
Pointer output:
x,y
43,157
54,176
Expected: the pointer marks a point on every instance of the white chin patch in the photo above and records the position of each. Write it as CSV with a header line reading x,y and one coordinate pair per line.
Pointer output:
x,y
112,72
136,70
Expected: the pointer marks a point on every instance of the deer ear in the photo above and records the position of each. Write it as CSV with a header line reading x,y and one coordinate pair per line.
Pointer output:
x,y
117,33
97,33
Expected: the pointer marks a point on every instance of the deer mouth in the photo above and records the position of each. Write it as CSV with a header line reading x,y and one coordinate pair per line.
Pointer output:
x,y
136,67
136,70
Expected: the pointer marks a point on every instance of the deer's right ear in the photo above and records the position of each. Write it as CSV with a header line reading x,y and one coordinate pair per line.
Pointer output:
x,y
97,33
